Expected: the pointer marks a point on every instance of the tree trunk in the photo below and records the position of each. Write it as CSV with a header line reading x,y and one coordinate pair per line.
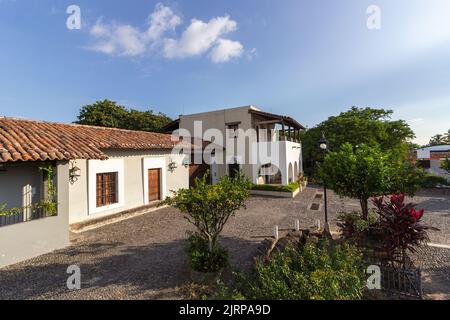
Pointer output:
x,y
210,244
365,208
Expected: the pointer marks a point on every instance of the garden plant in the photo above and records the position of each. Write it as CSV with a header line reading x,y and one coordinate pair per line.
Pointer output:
x,y
208,208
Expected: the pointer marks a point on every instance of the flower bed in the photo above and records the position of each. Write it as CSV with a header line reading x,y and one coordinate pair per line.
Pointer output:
x,y
281,191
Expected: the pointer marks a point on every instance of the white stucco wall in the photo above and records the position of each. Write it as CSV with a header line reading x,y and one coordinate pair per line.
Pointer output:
x,y
285,153
27,240
133,189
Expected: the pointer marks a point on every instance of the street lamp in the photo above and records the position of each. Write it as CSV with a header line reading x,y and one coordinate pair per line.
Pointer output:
x,y
323,147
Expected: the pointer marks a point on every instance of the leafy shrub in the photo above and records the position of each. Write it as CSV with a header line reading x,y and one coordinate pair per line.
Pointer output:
x,y
400,227
432,181
446,165
203,260
277,188
353,227
315,271
208,208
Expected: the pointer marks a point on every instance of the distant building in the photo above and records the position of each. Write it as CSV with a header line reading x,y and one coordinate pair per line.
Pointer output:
x,y
251,130
431,159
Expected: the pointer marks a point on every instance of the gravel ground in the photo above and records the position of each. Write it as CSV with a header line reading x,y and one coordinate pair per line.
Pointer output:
x,y
143,257
435,265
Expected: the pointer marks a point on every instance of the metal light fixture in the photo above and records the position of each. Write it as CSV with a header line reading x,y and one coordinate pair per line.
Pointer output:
x,y
186,162
172,165
74,173
323,147
2,167
323,143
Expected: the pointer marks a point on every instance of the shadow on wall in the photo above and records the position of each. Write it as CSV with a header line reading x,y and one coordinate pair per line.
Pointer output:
x,y
111,271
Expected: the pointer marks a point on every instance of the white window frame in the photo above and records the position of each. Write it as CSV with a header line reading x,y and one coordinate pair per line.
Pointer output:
x,y
105,166
154,163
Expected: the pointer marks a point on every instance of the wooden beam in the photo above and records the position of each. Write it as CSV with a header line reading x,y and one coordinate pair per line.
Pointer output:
x,y
267,122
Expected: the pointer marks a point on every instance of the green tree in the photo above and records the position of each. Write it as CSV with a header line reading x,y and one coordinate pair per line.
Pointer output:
x,y
445,165
366,171
146,121
109,114
104,113
440,139
373,127
208,207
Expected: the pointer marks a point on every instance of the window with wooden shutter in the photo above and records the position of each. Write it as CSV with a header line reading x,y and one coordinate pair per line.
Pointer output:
x,y
107,189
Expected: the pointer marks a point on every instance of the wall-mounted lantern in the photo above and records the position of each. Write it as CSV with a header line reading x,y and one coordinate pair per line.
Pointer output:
x,y
2,167
74,173
172,165
186,162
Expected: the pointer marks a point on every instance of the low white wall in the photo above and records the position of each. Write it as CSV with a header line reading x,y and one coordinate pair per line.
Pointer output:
x,y
275,194
27,240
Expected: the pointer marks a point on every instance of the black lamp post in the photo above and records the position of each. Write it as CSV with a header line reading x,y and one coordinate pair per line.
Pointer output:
x,y
323,147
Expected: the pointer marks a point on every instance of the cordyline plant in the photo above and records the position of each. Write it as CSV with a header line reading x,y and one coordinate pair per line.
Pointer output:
x,y
401,226
208,207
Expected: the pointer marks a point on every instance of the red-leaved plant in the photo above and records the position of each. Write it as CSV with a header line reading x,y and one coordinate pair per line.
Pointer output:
x,y
401,228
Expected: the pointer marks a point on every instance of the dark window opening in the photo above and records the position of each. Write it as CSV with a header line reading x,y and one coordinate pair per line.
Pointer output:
x,y
107,189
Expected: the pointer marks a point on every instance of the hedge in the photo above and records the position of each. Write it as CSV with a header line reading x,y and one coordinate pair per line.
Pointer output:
x,y
277,188
432,181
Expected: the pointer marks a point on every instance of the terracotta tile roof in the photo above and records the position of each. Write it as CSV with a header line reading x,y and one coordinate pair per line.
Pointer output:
x,y
27,140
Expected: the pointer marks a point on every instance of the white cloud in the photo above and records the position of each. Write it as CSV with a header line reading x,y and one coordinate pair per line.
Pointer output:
x,y
226,50
161,20
116,39
197,39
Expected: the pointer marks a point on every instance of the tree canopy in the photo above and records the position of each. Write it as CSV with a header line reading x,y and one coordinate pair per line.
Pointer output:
x,y
366,171
440,139
357,126
108,113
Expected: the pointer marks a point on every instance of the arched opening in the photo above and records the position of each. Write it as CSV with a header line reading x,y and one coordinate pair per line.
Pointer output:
x,y
296,172
269,174
291,173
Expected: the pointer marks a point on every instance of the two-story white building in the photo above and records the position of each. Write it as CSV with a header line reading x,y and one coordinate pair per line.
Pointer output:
x,y
265,146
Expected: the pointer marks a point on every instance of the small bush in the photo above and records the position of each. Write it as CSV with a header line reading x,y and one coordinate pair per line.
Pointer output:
x,y
201,259
277,188
315,271
353,227
433,181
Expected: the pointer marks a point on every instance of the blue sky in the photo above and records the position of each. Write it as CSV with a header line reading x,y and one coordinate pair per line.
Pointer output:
x,y
307,59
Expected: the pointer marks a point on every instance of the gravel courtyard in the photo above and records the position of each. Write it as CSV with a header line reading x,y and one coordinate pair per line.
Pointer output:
x,y
143,257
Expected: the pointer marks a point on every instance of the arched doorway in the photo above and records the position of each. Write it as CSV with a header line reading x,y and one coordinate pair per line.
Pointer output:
x,y
269,174
290,173
296,172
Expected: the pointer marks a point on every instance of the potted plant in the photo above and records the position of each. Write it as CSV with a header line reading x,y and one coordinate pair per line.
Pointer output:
x,y
302,181
208,208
